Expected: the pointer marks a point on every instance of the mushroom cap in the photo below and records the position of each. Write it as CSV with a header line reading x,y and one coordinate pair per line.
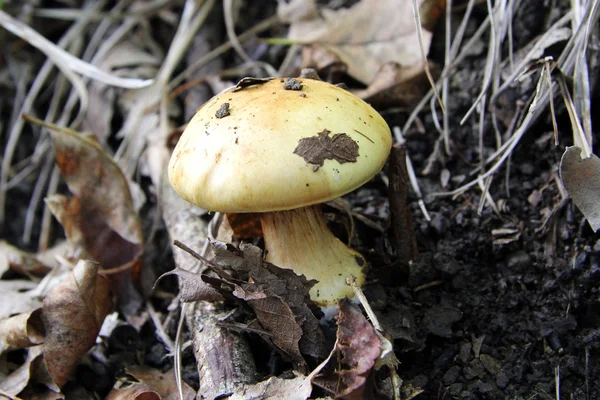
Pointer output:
x,y
259,147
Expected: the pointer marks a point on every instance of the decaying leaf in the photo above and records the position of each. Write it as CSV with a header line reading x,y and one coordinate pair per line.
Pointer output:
x,y
581,178
97,181
298,388
280,299
192,287
20,331
73,313
316,149
359,346
148,383
365,36
14,383
87,229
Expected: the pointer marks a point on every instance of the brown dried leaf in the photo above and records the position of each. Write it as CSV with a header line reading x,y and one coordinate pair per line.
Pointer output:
x,y
20,261
316,149
73,313
581,178
31,369
192,287
365,36
20,331
280,299
96,180
276,317
14,298
359,346
86,228
150,383
298,388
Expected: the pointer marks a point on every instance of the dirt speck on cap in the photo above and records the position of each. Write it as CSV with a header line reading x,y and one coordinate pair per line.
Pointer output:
x,y
292,84
223,111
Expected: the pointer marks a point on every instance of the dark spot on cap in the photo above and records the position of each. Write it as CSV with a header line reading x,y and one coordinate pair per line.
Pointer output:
x,y
223,111
302,94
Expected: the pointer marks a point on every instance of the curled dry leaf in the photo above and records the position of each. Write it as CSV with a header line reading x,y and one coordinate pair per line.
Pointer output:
x,y
365,36
73,313
33,366
148,383
581,178
86,228
21,331
359,346
102,218
97,181
280,299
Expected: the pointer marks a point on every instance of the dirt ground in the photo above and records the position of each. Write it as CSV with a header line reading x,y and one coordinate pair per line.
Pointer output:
x,y
500,304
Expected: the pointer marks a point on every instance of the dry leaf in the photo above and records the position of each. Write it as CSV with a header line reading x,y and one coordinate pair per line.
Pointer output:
x,y
280,299
298,388
97,181
73,313
14,298
86,228
276,317
581,178
359,346
20,261
33,366
20,331
365,36
148,383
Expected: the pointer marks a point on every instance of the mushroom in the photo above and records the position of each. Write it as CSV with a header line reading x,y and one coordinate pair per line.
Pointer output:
x,y
280,148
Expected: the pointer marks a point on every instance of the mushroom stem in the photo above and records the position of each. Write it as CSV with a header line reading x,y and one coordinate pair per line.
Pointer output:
x,y
300,240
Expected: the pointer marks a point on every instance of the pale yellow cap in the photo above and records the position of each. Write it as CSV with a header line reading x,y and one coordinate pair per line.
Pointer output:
x,y
258,147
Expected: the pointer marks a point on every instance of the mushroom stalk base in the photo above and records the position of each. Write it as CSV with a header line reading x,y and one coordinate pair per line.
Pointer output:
x,y
300,240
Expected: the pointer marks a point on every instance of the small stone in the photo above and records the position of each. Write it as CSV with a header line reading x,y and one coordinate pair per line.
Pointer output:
x,y
483,387
501,380
519,259
465,352
451,375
